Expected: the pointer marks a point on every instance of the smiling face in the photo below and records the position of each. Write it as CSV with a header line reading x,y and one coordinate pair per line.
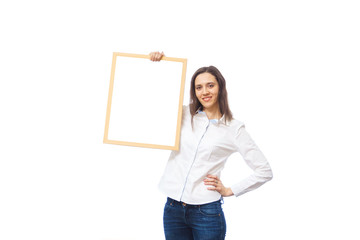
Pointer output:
x,y
207,90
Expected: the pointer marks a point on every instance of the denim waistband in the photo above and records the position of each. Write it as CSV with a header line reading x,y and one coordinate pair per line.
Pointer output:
x,y
174,202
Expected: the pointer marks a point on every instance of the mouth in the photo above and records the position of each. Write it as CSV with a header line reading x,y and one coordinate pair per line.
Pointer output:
x,y
206,99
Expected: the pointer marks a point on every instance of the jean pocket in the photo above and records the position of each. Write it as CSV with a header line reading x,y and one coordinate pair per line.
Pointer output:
x,y
211,209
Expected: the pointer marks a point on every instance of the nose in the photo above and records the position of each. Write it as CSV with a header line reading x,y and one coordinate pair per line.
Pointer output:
x,y
205,91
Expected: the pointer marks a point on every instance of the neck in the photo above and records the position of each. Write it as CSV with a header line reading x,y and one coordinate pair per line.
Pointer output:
x,y
213,113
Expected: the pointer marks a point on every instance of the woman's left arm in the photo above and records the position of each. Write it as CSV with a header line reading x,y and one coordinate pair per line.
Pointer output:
x,y
255,159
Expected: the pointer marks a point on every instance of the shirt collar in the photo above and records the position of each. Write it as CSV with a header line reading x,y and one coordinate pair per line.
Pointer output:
x,y
216,121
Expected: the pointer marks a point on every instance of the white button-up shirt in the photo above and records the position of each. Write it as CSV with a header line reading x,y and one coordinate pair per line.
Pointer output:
x,y
204,149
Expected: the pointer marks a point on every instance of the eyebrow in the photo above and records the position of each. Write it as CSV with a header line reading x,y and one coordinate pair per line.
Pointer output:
x,y
212,82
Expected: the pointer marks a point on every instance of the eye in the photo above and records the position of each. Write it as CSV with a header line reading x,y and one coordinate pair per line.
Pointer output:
x,y
211,85
198,88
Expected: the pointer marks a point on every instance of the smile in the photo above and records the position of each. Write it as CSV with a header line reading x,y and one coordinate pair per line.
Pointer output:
x,y
206,99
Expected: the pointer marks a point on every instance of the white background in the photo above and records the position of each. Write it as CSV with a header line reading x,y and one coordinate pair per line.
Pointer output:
x,y
136,90
292,69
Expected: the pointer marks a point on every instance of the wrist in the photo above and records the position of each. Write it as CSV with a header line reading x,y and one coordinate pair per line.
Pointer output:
x,y
228,192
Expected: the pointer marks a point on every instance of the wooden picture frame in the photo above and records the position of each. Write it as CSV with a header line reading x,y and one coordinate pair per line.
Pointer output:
x,y
145,101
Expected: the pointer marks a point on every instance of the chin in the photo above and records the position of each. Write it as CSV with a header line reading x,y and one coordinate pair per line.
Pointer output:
x,y
207,105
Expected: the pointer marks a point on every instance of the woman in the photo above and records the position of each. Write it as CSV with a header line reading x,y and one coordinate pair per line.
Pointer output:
x,y
191,180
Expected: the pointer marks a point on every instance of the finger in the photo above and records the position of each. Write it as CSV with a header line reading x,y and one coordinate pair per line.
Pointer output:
x,y
210,180
159,56
154,56
212,176
211,183
214,188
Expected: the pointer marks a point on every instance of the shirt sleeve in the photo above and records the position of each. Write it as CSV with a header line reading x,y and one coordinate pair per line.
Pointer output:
x,y
255,159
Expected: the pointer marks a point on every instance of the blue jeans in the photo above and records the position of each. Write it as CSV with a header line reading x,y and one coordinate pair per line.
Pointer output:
x,y
198,222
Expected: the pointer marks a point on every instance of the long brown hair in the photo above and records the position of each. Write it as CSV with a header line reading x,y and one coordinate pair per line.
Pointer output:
x,y
222,96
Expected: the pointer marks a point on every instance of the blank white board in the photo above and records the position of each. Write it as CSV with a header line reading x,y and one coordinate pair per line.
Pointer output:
x,y
145,101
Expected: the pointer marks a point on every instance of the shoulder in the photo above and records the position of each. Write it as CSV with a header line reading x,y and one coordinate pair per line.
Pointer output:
x,y
186,109
236,124
186,112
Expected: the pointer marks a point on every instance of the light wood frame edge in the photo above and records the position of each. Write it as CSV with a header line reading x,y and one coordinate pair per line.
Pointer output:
x,y
181,98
